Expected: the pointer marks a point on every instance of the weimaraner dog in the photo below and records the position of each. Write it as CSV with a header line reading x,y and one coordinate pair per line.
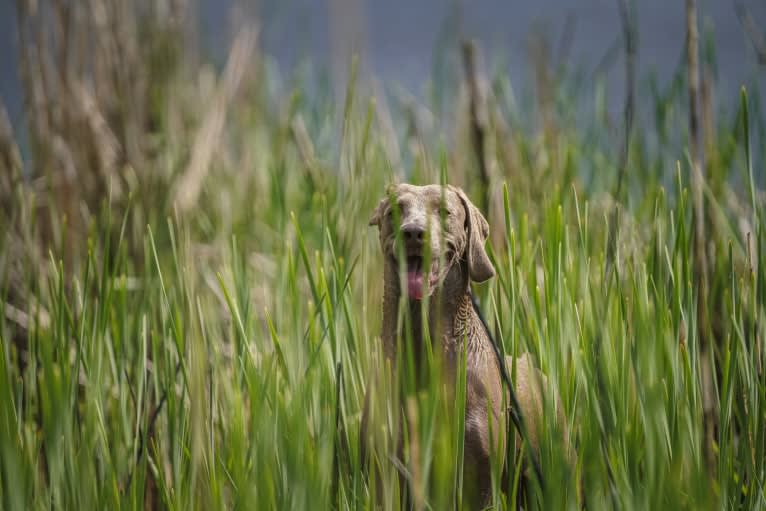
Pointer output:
x,y
441,225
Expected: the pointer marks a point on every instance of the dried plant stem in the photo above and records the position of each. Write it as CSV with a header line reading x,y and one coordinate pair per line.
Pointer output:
x,y
629,39
306,151
700,255
416,471
210,131
757,37
478,118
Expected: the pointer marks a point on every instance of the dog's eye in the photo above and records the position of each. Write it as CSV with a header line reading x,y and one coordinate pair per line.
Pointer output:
x,y
444,211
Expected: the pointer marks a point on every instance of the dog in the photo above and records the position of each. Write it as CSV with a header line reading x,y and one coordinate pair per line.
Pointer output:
x,y
432,238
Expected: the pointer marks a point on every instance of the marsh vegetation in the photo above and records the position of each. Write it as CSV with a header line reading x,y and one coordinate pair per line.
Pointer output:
x,y
190,292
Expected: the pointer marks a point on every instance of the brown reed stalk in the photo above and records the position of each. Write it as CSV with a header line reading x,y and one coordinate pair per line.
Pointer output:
x,y
478,118
700,253
757,38
210,131
629,40
95,74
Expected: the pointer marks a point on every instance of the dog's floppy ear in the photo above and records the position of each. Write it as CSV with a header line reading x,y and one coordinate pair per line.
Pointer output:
x,y
477,230
380,210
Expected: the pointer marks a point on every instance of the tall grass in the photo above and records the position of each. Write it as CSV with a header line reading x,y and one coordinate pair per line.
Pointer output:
x,y
216,354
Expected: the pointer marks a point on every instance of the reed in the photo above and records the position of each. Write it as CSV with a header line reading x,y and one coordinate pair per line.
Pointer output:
x,y
190,294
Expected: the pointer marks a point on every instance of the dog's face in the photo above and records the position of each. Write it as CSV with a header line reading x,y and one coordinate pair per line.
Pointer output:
x,y
436,224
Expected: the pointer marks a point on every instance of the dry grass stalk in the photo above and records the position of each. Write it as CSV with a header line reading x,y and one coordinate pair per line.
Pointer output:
x,y
387,131
415,139
209,134
544,80
416,475
478,117
700,254
506,158
756,36
306,149
707,100
25,321
94,74
629,40
10,160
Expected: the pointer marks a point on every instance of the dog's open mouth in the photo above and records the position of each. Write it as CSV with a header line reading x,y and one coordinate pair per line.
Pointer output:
x,y
419,281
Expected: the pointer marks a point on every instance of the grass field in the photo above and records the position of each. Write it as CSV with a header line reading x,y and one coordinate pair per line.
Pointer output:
x,y
190,293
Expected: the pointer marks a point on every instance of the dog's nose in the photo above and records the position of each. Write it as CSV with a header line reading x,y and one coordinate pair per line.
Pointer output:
x,y
413,233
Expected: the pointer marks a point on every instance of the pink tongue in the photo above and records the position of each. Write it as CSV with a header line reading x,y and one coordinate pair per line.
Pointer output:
x,y
415,284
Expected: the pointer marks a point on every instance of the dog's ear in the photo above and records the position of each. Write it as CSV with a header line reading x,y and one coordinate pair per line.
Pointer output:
x,y
377,214
477,230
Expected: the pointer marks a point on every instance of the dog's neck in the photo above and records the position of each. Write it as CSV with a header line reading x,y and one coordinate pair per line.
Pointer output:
x,y
450,318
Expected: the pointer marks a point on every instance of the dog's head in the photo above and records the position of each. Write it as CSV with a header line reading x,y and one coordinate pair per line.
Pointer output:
x,y
436,224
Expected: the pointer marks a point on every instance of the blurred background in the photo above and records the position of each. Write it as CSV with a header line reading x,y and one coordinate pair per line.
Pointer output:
x,y
401,41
